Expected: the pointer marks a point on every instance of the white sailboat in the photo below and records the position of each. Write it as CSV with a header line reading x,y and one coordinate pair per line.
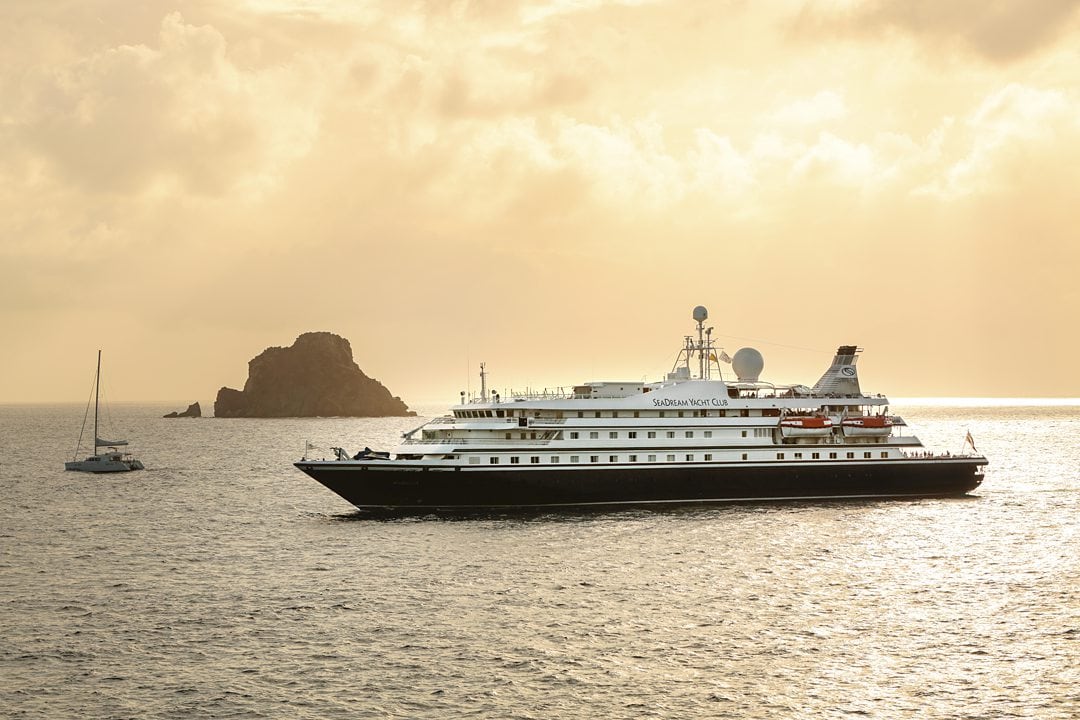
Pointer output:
x,y
112,460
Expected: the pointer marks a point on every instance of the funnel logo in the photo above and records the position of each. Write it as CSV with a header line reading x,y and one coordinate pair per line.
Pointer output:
x,y
848,371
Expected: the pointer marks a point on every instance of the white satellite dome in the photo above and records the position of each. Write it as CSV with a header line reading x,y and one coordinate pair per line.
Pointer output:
x,y
701,314
748,364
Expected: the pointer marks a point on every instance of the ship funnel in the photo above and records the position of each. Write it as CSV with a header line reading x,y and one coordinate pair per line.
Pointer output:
x,y
841,378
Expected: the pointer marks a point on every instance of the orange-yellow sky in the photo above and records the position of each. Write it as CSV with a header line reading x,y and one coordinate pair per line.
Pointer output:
x,y
547,185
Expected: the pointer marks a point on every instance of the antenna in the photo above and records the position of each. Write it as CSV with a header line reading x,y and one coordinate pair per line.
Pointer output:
x,y
711,355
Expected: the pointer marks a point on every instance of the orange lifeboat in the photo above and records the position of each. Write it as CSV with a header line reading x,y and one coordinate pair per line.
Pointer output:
x,y
805,426
867,426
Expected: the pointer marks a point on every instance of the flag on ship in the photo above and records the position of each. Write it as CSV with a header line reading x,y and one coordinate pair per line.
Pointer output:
x,y
971,441
724,357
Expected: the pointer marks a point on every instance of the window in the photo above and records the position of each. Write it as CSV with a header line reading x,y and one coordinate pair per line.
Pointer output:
x,y
534,459
866,454
613,458
514,460
613,434
779,456
580,413
708,433
509,413
652,433
708,456
507,436
689,457
522,436
663,414
744,456
744,433
689,433
832,456
671,458
637,414
680,413
594,458
493,460
850,455
573,435
884,454
532,436
744,413
815,456
554,459
614,413
575,458
671,433
723,413
597,413
798,456
632,434
652,458
474,461
633,458
594,435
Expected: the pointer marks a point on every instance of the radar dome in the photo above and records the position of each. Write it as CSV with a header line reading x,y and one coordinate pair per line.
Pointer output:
x,y
701,314
748,364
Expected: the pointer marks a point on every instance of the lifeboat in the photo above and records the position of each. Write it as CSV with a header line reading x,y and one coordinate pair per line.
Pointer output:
x,y
809,426
867,426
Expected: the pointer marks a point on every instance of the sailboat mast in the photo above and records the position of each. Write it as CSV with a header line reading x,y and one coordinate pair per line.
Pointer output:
x,y
97,392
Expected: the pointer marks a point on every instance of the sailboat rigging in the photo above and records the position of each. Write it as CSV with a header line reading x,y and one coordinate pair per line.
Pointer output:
x,y
112,460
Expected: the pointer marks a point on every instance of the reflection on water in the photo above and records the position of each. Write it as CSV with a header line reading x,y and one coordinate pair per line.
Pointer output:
x,y
223,582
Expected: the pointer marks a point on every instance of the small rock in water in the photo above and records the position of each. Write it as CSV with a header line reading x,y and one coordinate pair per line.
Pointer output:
x,y
193,410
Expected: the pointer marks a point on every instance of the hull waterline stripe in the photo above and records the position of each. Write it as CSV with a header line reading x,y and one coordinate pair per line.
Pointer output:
x,y
662,502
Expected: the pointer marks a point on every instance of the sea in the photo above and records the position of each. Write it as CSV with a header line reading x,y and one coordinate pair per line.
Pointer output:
x,y
221,582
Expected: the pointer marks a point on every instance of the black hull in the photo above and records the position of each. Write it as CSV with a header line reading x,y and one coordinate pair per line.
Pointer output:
x,y
400,486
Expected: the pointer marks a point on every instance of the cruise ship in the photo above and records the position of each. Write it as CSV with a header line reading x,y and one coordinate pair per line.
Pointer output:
x,y
709,432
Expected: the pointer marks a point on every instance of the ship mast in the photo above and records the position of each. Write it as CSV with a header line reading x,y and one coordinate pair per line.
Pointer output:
x,y
703,347
704,344
97,393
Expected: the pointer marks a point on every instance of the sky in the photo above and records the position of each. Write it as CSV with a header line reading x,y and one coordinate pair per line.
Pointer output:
x,y
548,186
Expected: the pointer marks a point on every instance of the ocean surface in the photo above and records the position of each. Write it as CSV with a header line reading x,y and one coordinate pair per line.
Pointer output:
x,y
223,583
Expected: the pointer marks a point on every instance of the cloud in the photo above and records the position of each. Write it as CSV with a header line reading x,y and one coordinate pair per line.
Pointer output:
x,y
836,159
1001,31
181,115
822,107
1012,132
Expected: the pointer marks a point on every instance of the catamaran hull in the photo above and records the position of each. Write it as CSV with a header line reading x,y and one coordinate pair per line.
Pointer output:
x,y
105,466
397,485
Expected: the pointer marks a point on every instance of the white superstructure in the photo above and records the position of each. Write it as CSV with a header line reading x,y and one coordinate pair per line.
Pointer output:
x,y
693,416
